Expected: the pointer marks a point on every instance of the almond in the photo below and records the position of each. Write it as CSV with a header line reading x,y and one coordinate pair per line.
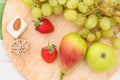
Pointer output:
x,y
17,24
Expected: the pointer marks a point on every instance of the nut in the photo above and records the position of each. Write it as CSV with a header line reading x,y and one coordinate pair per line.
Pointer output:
x,y
17,24
18,46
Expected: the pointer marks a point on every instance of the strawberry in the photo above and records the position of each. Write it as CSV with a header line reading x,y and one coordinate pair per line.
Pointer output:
x,y
44,25
49,53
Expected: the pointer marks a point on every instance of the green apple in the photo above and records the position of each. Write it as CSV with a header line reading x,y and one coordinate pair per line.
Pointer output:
x,y
100,57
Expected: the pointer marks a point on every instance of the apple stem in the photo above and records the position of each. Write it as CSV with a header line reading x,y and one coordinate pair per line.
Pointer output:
x,y
103,55
61,76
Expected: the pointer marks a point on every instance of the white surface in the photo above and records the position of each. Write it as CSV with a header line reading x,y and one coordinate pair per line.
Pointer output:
x,y
9,72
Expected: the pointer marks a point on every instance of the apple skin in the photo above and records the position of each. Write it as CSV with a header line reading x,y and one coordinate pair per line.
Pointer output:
x,y
100,57
72,51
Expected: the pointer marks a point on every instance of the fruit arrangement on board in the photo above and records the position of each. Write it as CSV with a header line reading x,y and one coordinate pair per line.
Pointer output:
x,y
96,19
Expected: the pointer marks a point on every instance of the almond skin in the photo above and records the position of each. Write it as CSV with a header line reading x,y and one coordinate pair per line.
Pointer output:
x,y
17,24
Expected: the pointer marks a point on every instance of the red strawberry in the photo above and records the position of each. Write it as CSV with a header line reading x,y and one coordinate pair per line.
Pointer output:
x,y
49,53
44,26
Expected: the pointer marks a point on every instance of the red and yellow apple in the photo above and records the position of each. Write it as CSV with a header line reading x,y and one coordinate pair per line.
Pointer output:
x,y
72,51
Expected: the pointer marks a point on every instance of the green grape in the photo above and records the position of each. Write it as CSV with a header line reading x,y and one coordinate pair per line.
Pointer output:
x,y
98,35
116,43
36,12
42,0
72,4
70,15
118,12
91,37
99,1
84,32
113,3
57,9
46,9
108,33
88,2
28,2
116,19
113,23
82,7
91,7
91,21
105,23
118,1
53,2
61,2
105,4
110,10
80,20
97,27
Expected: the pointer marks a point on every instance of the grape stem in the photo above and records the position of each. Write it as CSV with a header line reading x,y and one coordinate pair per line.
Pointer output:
x,y
36,3
90,12
105,11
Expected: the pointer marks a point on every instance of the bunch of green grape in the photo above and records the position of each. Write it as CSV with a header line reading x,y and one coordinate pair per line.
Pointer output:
x,y
96,18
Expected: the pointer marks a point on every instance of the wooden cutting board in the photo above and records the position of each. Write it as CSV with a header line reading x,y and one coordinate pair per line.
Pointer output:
x,y
32,65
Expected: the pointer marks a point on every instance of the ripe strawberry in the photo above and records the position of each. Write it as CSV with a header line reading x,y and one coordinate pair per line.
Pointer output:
x,y
44,26
49,53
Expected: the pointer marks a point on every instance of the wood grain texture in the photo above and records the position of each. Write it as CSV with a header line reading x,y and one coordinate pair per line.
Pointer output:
x,y
32,65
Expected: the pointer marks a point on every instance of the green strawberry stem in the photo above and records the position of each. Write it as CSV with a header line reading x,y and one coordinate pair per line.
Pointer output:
x,y
40,18
37,24
49,45
51,48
